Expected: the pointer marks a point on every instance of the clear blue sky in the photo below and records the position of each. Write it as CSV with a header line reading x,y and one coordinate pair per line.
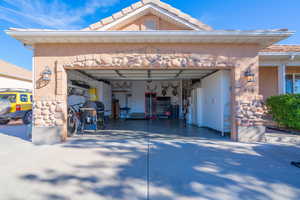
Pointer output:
x,y
76,14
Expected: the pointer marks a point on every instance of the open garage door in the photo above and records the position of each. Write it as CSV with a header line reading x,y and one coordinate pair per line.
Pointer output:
x,y
195,97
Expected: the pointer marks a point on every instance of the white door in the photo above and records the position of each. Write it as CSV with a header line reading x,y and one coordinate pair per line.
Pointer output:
x,y
194,110
199,108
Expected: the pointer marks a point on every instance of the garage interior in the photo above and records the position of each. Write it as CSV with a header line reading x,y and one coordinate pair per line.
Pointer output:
x,y
133,97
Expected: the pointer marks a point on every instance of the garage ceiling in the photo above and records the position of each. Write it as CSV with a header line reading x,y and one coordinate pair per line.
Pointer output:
x,y
147,74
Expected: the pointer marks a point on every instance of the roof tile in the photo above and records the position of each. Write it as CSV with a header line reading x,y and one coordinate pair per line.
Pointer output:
x,y
150,1
174,10
282,48
137,5
165,5
96,25
107,20
127,10
118,15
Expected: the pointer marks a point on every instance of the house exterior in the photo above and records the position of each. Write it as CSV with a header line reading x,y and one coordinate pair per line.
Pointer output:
x,y
279,70
12,76
153,41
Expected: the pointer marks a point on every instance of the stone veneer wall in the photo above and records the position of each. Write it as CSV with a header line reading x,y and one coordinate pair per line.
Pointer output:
x,y
250,112
48,113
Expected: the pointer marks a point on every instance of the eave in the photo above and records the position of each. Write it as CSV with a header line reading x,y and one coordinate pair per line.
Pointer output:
x,y
275,58
262,38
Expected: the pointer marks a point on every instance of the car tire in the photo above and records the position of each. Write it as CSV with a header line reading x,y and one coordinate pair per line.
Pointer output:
x,y
4,121
27,119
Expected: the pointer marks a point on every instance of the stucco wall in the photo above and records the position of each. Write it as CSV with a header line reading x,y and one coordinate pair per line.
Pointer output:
x,y
48,54
208,56
6,82
138,24
293,69
268,81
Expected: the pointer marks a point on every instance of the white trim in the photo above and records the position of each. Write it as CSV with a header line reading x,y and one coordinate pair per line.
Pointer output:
x,y
222,104
279,53
281,79
33,73
269,64
289,73
181,100
264,38
50,32
144,9
277,63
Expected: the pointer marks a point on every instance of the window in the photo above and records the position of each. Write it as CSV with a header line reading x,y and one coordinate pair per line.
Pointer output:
x,y
31,99
23,98
9,97
150,24
289,84
292,83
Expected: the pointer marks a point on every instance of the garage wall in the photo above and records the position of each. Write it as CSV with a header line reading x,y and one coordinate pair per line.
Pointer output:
x,y
6,82
216,101
137,101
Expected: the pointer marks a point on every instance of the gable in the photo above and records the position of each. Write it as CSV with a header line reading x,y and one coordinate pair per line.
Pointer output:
x,y
130,18
140,24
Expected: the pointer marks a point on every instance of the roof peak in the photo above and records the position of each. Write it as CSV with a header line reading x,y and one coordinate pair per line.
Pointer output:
x,y
138,6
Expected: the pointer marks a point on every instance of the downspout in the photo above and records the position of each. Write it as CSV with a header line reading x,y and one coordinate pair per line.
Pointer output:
x,y
33,73
222,104
180,100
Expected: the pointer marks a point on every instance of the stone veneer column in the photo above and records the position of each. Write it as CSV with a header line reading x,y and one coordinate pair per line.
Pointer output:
x,y
50,109
247,104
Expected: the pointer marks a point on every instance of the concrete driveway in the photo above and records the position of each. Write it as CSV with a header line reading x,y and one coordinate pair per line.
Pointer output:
x,y
150,162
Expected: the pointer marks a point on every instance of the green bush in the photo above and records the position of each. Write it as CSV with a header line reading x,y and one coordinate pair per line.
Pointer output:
x,y
285,110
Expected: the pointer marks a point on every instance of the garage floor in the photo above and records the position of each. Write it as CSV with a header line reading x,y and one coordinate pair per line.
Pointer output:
x,y
149,162
161,128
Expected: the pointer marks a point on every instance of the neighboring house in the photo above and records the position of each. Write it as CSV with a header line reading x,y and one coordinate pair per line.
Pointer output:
x,y
227,72
279,71
12,76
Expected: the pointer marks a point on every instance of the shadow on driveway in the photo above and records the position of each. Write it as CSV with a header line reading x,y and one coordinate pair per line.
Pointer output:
x,y
135,164
15,130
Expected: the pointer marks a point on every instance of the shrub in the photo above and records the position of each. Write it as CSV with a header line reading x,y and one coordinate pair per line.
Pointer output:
x,y
285,110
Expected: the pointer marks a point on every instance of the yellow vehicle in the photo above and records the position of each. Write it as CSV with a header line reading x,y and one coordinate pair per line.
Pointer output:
x,y
15,104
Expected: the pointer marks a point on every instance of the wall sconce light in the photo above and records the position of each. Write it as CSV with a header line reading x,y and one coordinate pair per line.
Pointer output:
x,y
249,76
46,74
